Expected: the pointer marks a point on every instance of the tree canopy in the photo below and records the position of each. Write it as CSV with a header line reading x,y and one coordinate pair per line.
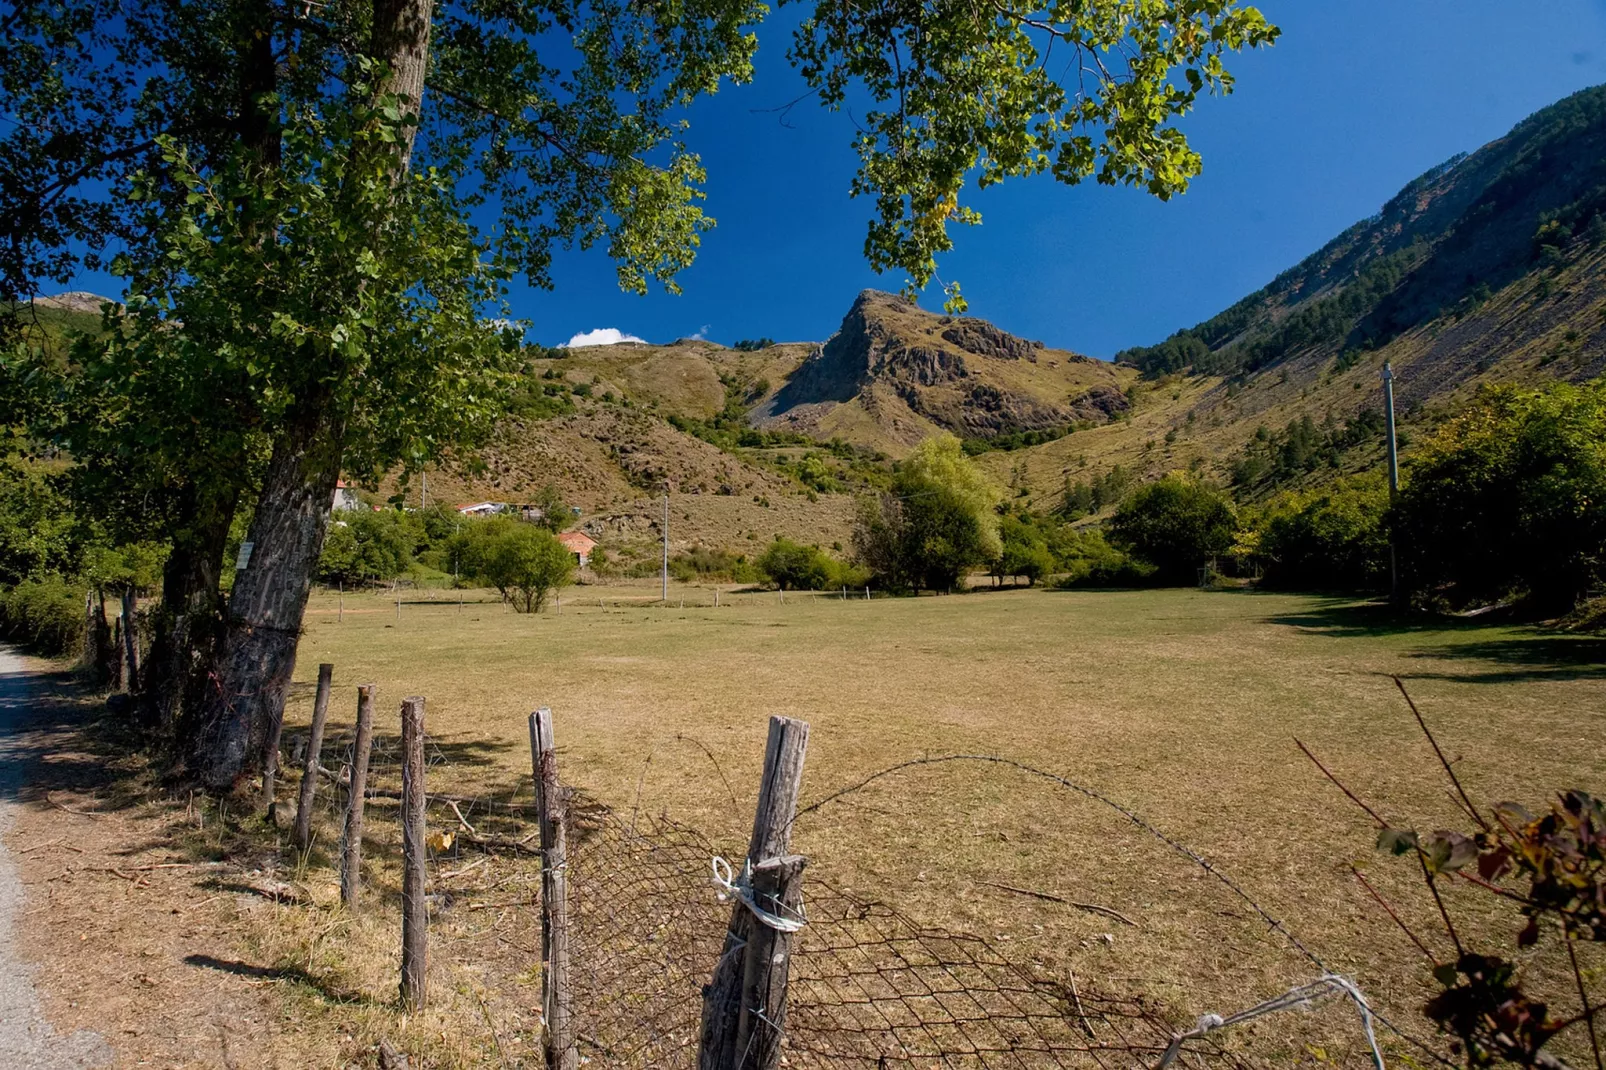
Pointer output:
x,y
1176,524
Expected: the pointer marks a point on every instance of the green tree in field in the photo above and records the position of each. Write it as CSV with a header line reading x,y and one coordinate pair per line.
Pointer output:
x,y
1332,539
1175,524
524,562
1025,552
368,546
298,191
791,566
1509,500
937,522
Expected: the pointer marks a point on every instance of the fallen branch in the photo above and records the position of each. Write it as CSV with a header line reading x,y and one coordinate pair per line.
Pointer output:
x,y
448,875
461,820
70,810
501,843
1108,912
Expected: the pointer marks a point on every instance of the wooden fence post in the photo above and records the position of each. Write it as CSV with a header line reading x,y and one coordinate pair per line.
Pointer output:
x,y
93,623
744,1005
351,836
309,769
130,640
415,911
551,806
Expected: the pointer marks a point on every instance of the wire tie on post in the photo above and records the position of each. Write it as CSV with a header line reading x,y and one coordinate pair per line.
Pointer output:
x,y
741,888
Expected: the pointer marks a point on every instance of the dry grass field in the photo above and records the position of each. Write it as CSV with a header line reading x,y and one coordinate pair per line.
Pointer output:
x,y
1182,705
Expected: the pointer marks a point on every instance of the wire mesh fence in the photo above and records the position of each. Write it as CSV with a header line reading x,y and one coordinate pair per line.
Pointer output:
x,y
870,986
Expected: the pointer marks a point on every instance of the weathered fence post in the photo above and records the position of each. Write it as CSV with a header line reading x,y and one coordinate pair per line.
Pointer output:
x,y
552,809
309,769
94,623
130,640
415,911
744,1005
351,835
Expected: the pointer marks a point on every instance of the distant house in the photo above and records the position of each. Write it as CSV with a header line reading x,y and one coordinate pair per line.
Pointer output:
x,y
532,513
345,498
579,544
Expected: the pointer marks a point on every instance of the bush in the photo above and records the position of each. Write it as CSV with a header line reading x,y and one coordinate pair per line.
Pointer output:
x,y
1174,524
524,562
1333,540
366,545
792,566
709,565
45,615
1509,500
1087,560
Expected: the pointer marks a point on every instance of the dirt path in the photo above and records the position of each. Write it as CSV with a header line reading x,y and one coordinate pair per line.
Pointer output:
x,y
27,1041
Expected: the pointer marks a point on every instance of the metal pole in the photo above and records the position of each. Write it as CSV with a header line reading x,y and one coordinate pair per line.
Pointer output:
x,y
666,542
1394,478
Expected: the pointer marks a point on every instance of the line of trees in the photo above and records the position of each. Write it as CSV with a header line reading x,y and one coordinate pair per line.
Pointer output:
x,y
1504,503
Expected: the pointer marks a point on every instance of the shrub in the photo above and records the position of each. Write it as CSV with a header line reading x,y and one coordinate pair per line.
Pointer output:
x,y
792,566
1024,553
366,545
1175,524
1087,560
1333,540
45,615
703,563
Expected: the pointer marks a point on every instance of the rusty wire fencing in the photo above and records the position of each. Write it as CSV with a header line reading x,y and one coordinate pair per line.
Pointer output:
x,y
867,985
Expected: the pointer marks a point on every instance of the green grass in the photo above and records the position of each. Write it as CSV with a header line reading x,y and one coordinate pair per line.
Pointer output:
x,y
1183,705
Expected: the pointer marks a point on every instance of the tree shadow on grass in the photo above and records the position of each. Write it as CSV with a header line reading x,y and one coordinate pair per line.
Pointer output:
x,y
293,974
1511,653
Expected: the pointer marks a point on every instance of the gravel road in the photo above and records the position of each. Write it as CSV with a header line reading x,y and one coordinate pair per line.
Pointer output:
x,y
26,1040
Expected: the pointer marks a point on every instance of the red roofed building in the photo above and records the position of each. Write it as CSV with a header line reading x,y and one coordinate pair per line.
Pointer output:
x,y
579,544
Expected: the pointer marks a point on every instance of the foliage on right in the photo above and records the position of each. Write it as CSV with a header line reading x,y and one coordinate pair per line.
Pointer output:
x,y
1508,501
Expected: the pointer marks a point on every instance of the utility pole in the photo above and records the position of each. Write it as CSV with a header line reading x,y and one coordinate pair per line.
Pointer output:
x,y
666,542
1394,479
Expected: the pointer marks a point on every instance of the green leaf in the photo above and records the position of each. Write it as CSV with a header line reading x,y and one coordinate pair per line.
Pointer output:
x,y
1396,841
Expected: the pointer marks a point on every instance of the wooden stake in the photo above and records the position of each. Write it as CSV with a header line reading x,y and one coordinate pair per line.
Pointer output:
x,y
415,911
130,640
351,835
551,805
739,978
309,769
341,619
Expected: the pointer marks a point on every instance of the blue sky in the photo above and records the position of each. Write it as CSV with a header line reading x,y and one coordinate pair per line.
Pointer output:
x,y
1359,97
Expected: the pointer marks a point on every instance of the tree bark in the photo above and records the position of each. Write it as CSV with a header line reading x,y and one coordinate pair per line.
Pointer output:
x,y
257,653
187,620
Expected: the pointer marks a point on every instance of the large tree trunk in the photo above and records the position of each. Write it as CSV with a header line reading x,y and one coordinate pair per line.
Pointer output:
x,y
256,656
187,622
257,653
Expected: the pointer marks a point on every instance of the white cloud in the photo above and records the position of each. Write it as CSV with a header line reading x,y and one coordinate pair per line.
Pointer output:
x,y
702,333
602,336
